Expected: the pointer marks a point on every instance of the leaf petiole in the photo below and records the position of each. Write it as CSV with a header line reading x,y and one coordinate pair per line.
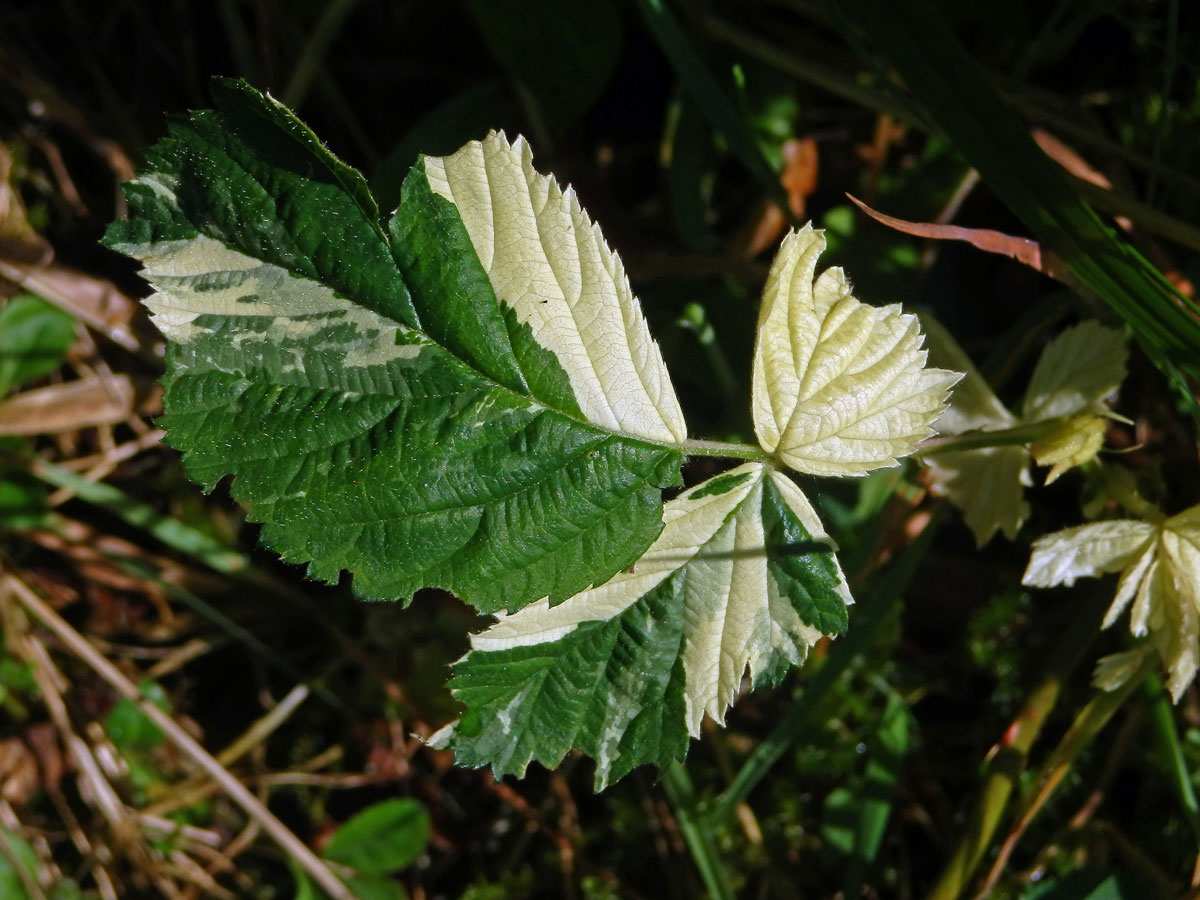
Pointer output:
x,y
724,450
980,440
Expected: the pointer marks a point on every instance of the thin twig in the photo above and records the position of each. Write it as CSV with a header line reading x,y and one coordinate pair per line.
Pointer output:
x,y
233,788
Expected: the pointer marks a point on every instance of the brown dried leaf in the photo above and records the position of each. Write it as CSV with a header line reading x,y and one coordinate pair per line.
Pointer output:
x,y
1023,250
68,406
799,179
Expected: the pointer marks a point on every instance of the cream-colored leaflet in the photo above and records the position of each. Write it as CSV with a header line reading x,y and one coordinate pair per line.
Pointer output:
x,y
987,485
839,387
549,263
1076,372
1159,584
736,616
1086,551
1072,443
204,277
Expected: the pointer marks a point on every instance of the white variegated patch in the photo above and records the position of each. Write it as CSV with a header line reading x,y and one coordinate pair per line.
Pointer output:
x,y
549,262
839,387
204,277
736,616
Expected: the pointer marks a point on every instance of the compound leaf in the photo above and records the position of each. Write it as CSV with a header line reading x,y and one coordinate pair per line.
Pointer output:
x,y
386,403
1160,572
742,578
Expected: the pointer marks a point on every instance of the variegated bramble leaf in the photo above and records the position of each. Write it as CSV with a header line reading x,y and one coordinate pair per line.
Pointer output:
x,y
1076,372
1070,383
988,485
426,405
742,578
551,272
1159,583
839,387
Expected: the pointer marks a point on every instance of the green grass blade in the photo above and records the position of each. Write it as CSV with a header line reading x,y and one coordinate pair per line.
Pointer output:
x,y
876,795
170,531
959,99
873,612
703,90
697,832
1162,720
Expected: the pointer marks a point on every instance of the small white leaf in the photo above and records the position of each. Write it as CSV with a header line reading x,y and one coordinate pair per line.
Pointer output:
x,y
1076,372
1086,551
1075,441
839,387
987,485
1161,576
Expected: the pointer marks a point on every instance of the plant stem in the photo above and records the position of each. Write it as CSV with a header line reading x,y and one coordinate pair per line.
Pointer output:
x,y
1005,765
1087,725
724,450
1007,759
978,440
697,832
884,597
1163,722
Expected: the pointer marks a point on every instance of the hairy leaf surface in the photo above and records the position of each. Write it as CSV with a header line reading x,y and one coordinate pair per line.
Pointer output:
x,y
387,402
839,387
742,577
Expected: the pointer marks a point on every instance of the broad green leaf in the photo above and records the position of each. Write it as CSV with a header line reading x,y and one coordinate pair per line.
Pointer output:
x,y
34,339
742,578
386,402
1076,372
382,838
1160,580
363,887
839,387
19,866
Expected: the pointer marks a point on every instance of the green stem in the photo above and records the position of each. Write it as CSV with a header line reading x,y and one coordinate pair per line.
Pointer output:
x,y
697,833
1003,771
1163,721
875,610
724,450
978,440
1007,761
